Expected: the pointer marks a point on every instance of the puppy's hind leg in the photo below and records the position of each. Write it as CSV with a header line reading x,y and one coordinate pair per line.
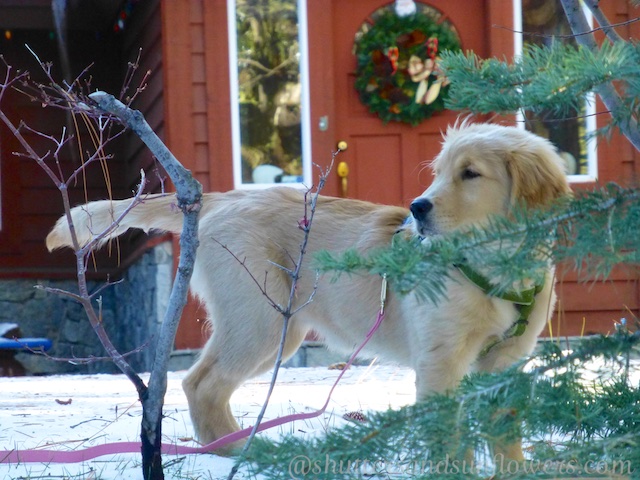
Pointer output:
x,y
208,391
230,357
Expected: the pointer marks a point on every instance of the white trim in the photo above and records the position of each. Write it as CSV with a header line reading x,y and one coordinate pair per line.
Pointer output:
x,y
305,100
592,143
234,92
591,126
517,29
305,107
233,80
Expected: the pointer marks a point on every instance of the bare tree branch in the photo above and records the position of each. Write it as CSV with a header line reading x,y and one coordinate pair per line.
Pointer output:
x,y
603,21
570,35
607,91
189,196
99,125
81,360
261,286
84,250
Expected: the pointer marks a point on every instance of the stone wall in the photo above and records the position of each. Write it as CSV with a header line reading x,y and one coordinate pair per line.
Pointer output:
x,y
131,310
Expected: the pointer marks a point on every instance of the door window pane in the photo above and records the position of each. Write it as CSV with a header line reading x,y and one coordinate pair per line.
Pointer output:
x,y
270,107
544,22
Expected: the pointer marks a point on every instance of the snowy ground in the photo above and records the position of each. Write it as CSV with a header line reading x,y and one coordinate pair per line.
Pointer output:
x,y
75,412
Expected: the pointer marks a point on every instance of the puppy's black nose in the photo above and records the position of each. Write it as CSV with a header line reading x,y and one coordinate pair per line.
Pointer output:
x,y
420,207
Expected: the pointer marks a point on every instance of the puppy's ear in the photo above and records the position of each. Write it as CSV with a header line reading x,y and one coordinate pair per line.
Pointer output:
x,y
537,177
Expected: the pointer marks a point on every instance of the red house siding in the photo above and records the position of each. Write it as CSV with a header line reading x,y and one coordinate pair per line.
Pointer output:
x,y
31,202
196,44
197,106
187,101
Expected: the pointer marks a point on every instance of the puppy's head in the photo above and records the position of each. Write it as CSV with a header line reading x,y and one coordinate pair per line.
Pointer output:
x,y
484,170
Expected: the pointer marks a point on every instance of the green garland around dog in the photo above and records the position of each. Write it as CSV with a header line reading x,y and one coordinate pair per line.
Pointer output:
x,y
397,75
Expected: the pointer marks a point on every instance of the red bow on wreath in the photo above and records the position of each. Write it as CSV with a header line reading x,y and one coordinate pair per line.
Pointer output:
x,y
432,47
393,53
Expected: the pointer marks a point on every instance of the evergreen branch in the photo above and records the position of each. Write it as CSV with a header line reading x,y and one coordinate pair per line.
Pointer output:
x,y
555,78
568,421
510,249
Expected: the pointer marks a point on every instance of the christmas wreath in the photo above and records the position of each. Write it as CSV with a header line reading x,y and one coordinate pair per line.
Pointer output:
x,y
397,75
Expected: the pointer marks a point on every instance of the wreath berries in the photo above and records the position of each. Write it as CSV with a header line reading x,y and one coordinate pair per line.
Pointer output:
x,y
397,73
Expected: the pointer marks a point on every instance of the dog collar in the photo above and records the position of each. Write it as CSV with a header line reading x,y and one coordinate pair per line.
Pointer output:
x,y
524,302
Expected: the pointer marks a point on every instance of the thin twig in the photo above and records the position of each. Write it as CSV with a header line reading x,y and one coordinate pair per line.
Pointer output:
x,y
82,360
61,292
288,312
108,284
605,28
98,238
310,297
243,263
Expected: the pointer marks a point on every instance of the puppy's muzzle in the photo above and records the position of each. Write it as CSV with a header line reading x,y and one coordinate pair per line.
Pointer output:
x,y
420,209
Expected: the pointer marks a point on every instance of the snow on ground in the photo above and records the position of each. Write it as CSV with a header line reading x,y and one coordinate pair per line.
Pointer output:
x,y
74,412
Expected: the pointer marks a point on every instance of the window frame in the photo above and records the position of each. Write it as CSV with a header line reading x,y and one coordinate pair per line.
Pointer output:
x,y
590,119
305,102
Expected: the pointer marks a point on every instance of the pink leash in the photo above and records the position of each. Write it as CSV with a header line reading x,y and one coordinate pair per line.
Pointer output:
x,y
76,456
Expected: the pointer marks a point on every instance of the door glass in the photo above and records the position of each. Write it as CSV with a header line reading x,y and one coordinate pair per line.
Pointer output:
x,y
269,85
544,22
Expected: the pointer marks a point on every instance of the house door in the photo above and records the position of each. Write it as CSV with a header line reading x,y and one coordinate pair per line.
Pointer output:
x,y
386,162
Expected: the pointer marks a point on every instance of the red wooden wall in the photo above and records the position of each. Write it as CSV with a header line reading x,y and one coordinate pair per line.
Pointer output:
x,y
586,306
187,102
30,200
198,112
196,46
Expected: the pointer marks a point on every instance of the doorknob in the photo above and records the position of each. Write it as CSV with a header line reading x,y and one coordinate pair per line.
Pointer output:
x,y
343,173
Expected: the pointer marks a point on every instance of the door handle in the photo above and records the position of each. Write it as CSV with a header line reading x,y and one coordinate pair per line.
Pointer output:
x,y
343,173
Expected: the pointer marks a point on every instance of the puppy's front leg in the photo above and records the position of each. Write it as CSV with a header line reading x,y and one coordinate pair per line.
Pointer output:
x,y
439,372
442,364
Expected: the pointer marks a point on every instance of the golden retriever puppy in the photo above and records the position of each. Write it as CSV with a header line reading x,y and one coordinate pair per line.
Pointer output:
x,y
482,170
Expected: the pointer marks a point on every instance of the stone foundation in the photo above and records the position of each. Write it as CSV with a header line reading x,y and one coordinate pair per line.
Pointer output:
x,y
131,310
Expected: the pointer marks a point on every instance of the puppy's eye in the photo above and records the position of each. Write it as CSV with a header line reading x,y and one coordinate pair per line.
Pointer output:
x,y
468,174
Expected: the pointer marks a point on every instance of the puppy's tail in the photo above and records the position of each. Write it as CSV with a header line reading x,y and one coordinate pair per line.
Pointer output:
x,y
152,212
